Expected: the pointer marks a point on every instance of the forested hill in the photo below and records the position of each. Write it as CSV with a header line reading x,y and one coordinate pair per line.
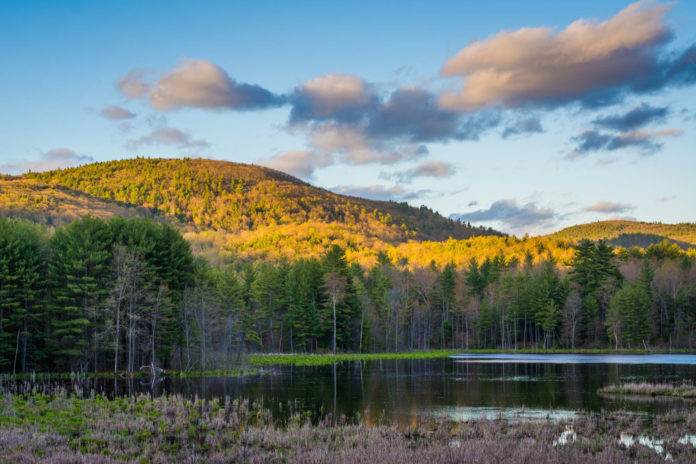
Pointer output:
x,y
628,234
221,196
230,210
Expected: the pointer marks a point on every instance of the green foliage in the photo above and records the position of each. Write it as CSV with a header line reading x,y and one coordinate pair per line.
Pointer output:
x,y
58,293
628,320
23,252
79,269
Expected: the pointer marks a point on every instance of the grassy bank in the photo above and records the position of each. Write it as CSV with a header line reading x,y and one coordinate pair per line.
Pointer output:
x,y
683,390
60,428
323,359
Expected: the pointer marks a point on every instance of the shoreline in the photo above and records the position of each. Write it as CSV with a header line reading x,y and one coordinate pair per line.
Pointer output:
x,y
272,359
254,363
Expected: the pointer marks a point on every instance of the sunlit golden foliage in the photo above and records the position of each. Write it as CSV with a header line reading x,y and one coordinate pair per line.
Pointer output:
x,y
631,233
234,197
229,210
54,205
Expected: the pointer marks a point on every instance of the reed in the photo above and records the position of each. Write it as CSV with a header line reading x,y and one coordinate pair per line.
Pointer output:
x,y
60,427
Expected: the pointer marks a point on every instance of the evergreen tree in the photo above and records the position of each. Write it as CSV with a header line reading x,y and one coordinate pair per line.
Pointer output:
x,y
78,271
628,320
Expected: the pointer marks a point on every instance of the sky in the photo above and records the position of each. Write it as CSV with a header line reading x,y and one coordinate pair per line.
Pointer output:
x,y
522,116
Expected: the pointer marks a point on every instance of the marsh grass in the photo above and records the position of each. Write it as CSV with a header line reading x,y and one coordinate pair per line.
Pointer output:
x,y
686,389
59,427
51,376
325,359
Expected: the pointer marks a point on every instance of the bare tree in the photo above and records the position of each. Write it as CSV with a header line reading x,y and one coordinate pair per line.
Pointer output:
x,y
336,286
127,271
571,317
423,282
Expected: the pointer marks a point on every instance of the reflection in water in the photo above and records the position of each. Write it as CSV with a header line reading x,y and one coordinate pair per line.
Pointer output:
x,y
403,391
510,414
508,358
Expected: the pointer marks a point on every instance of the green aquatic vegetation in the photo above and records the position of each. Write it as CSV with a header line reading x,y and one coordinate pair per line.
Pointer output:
x,y
324,359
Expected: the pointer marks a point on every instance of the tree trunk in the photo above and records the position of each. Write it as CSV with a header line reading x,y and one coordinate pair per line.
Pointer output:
x,y
118,334
334,324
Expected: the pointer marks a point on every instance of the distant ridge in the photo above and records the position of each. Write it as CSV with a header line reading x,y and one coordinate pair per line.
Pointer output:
x,y
631,233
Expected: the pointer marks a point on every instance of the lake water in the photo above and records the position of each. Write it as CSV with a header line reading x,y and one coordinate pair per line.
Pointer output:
x,y
459,387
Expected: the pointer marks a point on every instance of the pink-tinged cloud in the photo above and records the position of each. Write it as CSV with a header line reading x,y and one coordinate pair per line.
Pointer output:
x,y
436,169
541,66
335,96
299,163
134,84
608,207
353,146
202,84
116,113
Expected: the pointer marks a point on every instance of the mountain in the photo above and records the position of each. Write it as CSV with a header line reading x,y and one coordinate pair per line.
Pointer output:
x,y
224,205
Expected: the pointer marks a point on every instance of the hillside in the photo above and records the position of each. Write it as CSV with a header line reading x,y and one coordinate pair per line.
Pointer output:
x,y
234,197
54,205
244,209
631,233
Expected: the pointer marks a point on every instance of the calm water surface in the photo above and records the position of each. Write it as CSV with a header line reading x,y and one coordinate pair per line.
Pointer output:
x,y
459,387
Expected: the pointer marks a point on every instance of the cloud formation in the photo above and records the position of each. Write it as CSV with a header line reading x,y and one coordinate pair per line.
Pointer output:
x,y
636,118
299,163
436,169
608,207
590,62
134,84
53,159
335,97
523,126
646,142
347,121
379,192
168,136
197,84
512,215
116,113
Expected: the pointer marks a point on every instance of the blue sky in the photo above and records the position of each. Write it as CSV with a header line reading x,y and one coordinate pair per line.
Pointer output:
x,y
520,115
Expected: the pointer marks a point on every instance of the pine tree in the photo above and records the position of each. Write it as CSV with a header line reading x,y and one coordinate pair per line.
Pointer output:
x,y
78,271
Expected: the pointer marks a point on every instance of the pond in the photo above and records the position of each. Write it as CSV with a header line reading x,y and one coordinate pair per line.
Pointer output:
x,y
460,387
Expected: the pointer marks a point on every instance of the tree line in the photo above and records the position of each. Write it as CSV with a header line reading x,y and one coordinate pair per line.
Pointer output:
x,y
115,295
